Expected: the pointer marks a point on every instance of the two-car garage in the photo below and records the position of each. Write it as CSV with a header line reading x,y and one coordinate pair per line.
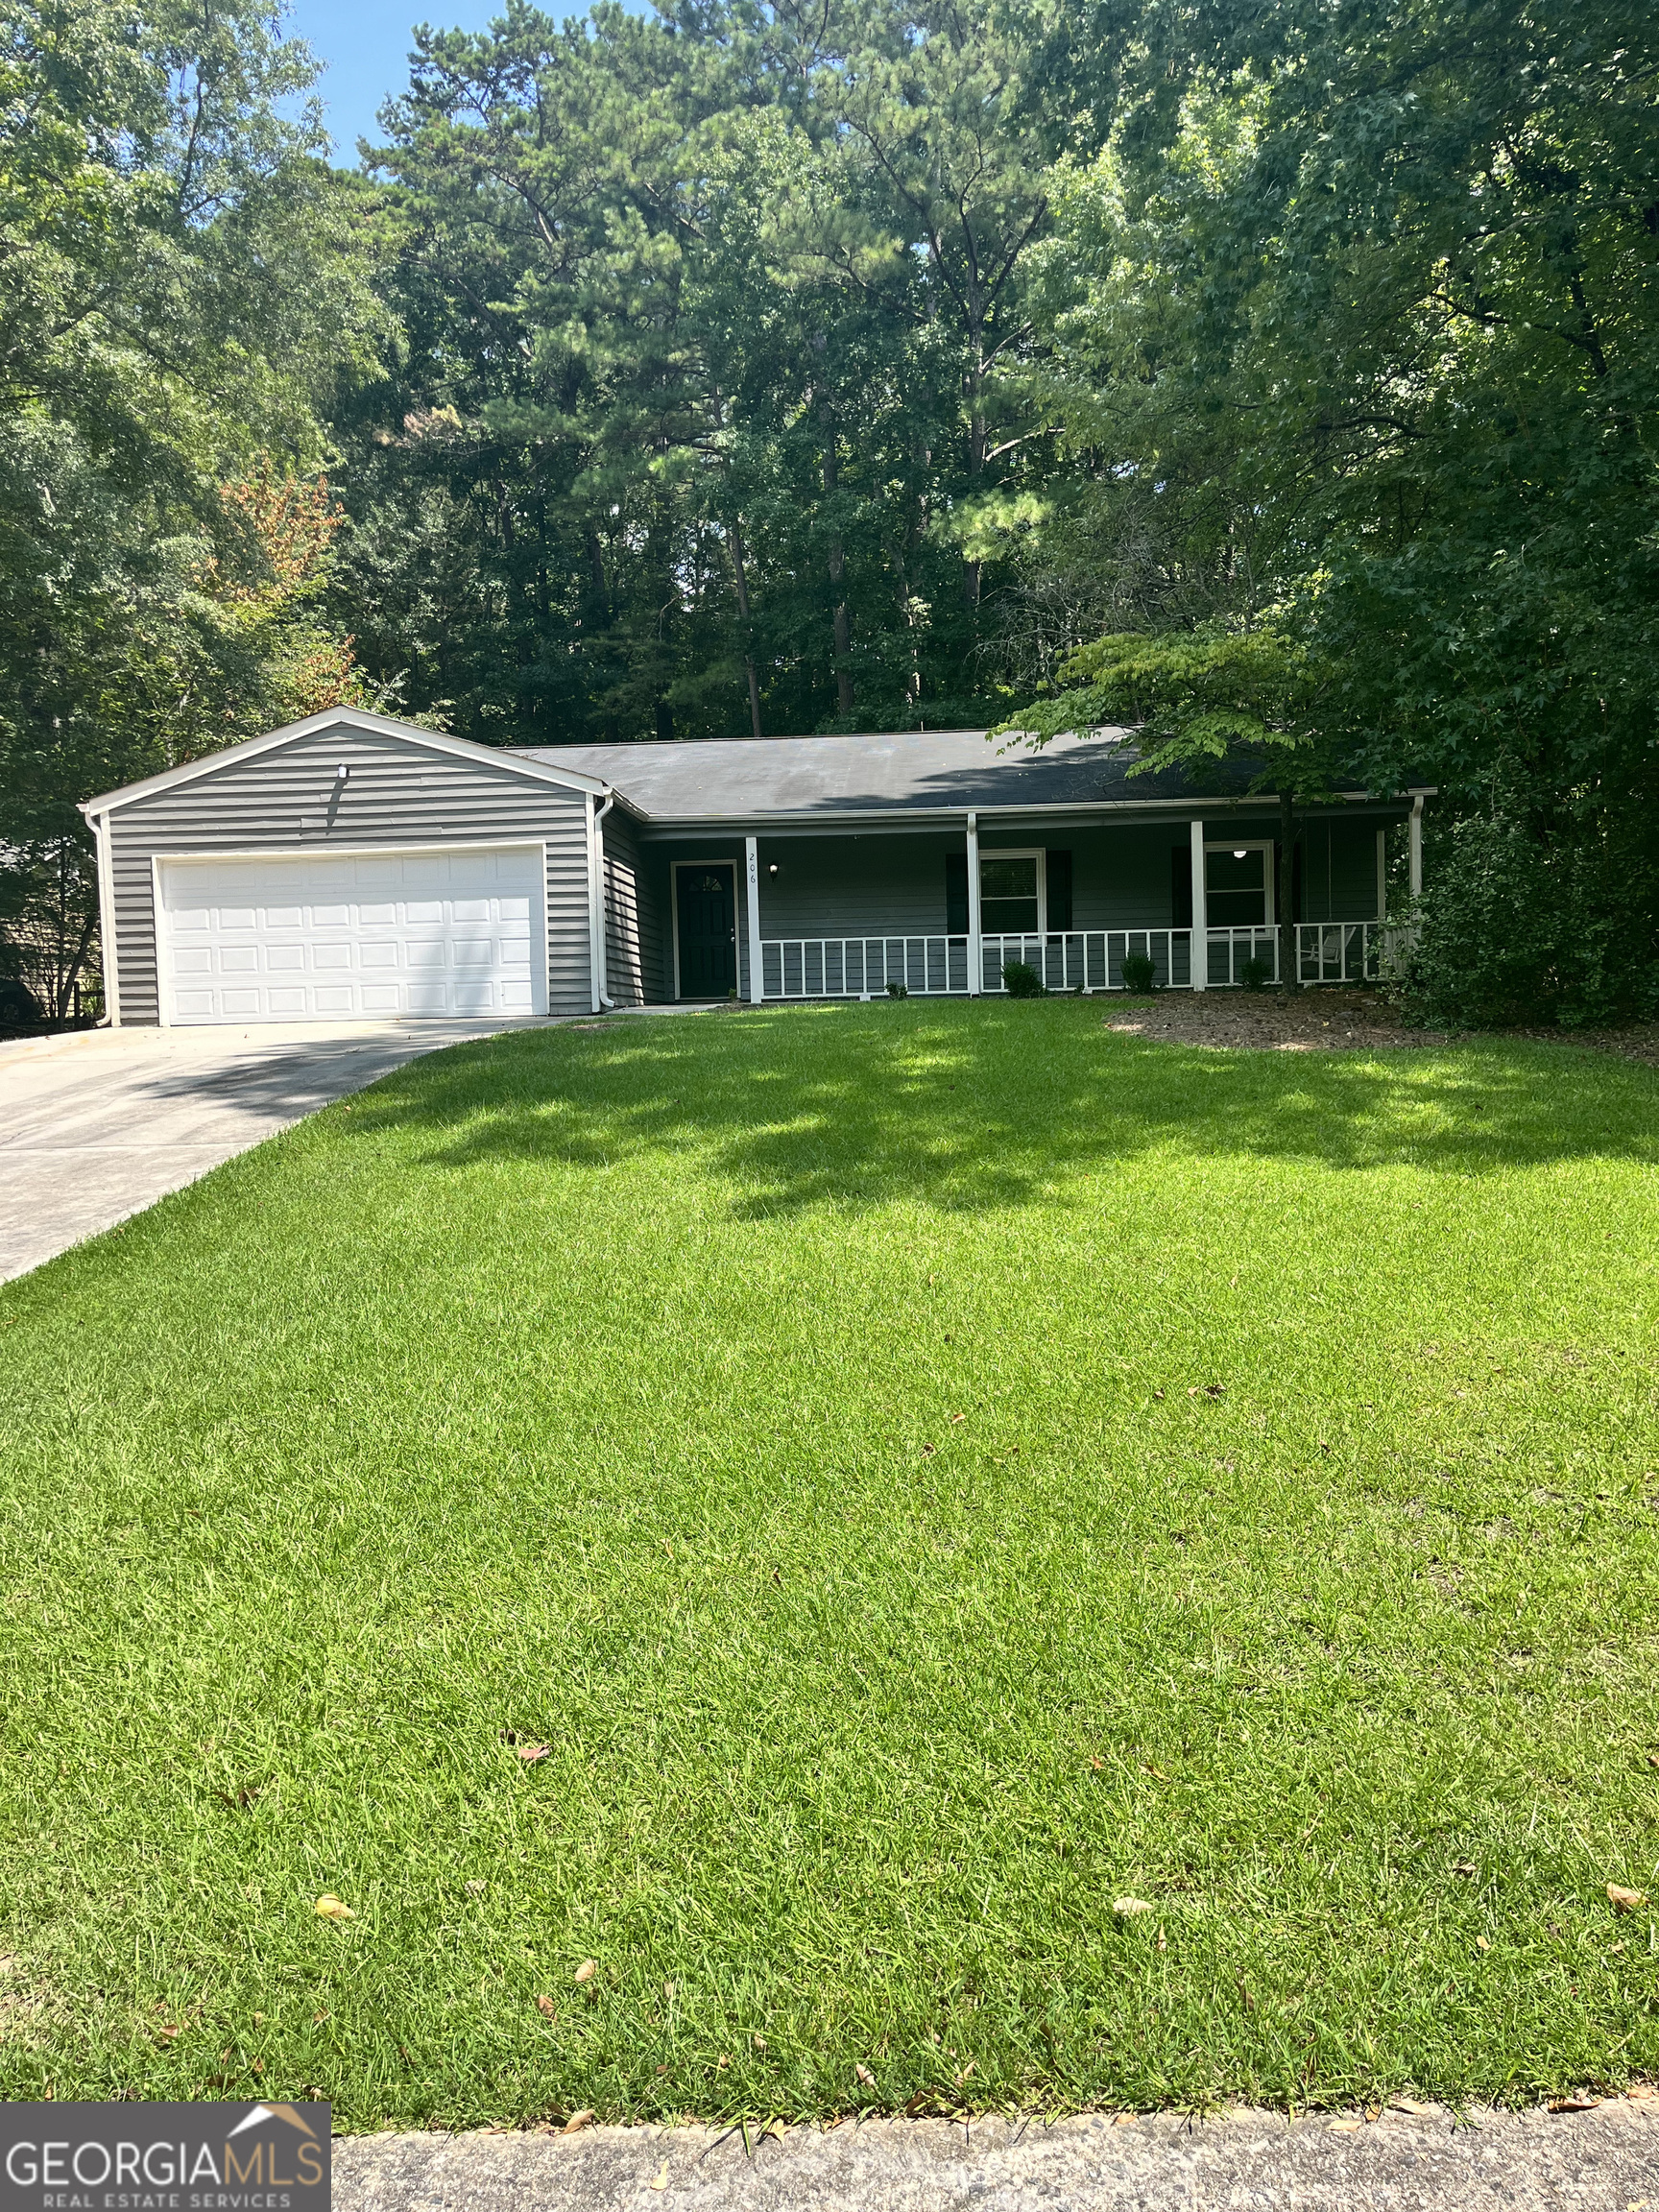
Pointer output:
x,y
303,937
353,868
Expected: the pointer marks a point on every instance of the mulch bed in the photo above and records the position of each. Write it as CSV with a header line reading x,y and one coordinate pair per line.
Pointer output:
x,y
1328,1021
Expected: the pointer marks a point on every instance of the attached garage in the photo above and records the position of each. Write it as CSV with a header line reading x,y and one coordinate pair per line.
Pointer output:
x,y
306,937
351,868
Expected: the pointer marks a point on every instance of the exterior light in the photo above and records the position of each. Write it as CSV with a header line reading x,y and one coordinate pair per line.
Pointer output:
x,y
772,868
1239,854
340,773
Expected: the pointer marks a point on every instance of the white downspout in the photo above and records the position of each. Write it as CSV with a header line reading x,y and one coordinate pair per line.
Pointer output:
x,y
1417,846
1198,953
107,950
975,942
596,882
751,880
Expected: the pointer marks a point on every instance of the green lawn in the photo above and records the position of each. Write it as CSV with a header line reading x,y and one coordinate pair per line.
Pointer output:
x,y
927,1471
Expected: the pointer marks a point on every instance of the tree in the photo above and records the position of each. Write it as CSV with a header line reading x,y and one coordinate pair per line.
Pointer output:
x,y
1362,306
185,288
1204,696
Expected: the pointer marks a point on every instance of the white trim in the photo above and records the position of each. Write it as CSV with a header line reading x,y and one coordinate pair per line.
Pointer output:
x,y
1381,872
596,948
752,870
350,718
714,860
160,860
1035,852
1265,847
107,951
1416,834
975,935
1199,958
882,820
162,942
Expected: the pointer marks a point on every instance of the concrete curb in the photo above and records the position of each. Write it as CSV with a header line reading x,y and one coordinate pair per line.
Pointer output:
x,y
1602,2160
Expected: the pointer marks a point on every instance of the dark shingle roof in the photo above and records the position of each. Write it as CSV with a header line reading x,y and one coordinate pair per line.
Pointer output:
x,y
909,771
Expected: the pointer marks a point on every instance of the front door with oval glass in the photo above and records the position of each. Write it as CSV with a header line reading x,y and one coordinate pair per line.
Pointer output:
x,y
706,928
1238,885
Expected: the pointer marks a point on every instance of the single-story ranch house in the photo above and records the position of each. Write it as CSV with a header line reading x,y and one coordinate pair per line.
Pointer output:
x,y
354,867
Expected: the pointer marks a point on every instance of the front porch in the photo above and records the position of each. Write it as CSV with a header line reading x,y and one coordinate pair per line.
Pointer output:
x,y
790,912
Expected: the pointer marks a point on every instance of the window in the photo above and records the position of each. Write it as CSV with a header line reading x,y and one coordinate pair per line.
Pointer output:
x,y
1010,893
1238,885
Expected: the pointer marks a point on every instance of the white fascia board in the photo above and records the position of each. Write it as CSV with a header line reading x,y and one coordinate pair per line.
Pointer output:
x,y
344,718
898,819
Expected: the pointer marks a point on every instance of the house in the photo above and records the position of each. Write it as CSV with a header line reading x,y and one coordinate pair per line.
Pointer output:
x,y
354,867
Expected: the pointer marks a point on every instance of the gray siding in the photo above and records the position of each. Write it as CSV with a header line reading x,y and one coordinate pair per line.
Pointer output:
x,y
399,793
635,948
854,886
895,886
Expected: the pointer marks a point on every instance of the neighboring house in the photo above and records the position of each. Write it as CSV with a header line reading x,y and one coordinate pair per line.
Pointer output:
x,y
354,867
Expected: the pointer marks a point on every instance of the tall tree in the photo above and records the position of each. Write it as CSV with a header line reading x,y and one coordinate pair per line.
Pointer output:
x,y
185,288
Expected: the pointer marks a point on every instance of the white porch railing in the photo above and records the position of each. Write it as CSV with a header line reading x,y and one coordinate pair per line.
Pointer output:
x,y
862,967
1086,960
1090,960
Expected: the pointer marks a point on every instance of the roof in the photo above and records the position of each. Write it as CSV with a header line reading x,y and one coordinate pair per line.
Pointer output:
x,y
903,772
551,769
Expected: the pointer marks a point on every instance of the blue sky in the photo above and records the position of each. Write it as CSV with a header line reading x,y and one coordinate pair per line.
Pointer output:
x,y
365,45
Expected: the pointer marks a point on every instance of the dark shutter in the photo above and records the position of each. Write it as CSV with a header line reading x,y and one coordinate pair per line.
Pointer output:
x,y
1181,887
1059,876
956,894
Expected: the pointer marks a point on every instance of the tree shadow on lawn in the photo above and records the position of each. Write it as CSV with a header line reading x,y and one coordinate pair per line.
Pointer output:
x,y
979,1108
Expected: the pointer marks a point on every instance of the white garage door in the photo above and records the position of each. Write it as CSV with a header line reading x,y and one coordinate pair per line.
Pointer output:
x,y
358,937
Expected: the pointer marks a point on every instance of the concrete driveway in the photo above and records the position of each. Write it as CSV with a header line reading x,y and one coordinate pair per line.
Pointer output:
x,y
96,1125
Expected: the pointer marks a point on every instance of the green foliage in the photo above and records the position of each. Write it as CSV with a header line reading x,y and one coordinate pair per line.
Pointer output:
x,y
1139,973
1020,980
705,315
1198,696
185,288
1256,972
1526,918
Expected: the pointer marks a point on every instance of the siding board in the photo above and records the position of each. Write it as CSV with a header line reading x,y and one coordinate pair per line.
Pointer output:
x,y
397,794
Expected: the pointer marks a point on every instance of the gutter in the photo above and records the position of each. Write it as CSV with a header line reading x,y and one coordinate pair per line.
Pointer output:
x,y
878,819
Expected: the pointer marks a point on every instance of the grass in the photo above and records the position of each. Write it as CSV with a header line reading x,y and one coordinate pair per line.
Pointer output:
x,y
926,1473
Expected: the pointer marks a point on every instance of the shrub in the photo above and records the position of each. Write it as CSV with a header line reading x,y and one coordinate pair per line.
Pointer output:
x,y
1256,972
1531,918
898,991
1139,972
1020,980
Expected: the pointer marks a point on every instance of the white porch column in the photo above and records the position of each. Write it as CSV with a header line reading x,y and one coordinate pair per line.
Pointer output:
x,y
1198,958
751,872
976,946
1418,848
1381,875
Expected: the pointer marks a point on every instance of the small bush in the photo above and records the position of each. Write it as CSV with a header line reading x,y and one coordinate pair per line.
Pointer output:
x,y
1020,980
1256,972
898,991
1139,972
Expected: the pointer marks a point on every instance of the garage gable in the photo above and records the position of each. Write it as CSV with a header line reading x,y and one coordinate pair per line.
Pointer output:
x,y
347,722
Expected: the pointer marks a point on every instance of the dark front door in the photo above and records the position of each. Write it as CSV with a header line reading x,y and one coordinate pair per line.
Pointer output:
x,y
707,913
